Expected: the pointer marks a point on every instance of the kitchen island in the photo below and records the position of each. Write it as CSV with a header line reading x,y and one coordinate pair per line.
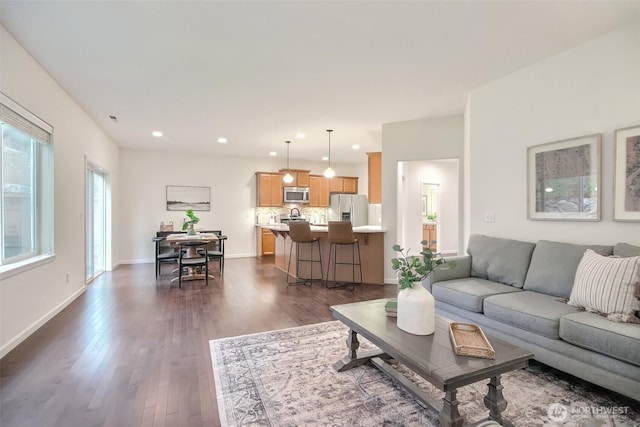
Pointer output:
x,y
371,238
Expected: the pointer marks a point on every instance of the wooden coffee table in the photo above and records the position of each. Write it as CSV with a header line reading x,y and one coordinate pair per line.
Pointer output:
x,y
432,357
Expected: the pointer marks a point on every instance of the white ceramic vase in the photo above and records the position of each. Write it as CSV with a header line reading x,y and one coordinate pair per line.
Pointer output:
x,y
416,310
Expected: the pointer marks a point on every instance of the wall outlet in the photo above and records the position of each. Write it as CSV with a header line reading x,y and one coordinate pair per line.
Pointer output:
x,y
489,216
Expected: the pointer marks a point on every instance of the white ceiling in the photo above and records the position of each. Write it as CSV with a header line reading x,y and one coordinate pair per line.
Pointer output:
x,y
257,72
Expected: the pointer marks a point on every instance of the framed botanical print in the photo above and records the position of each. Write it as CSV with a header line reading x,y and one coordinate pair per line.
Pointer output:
x,y
627,174
563,180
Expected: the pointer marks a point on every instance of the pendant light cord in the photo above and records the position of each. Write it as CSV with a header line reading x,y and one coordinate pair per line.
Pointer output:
x,y
288,143
329,130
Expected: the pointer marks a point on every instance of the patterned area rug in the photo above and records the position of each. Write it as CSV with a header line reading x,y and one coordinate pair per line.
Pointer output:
x,y
285,378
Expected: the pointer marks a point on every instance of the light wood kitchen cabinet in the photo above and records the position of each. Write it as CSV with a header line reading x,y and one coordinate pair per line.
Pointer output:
x,y
430,234
268,242
349,185
375,177
336,184
265,241
318,191
269,189
343,184
300,177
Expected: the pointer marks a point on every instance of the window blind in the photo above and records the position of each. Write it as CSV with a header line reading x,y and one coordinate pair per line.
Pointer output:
x,y
20,118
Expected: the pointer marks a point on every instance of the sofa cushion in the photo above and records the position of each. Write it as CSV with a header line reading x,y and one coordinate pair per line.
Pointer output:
x,y
607,285
531,311
626,250
554,264
499,260
469,293
594,332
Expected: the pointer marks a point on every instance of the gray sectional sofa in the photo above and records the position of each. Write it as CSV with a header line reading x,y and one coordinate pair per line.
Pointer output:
x,y
517,291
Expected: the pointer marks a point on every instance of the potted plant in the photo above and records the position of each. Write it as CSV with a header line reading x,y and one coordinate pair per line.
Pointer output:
x,y
412,268
188,224
416,306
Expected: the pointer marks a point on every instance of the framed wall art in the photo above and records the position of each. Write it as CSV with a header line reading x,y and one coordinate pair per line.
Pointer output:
x,y
181,198
627,174
563,180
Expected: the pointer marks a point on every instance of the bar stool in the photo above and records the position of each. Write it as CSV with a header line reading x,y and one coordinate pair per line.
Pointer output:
x,y
341,234
300,233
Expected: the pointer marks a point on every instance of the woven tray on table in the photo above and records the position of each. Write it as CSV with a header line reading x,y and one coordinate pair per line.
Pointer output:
x,y
469,340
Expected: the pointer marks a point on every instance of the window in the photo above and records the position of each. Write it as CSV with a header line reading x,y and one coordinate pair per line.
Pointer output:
x,y
26,199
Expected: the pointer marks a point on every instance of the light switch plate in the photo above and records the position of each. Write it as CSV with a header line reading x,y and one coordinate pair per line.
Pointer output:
x,y
489,216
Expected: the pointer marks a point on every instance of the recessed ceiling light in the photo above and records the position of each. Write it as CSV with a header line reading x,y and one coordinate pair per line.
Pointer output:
x,y
156,133
222,140
325,158
273,153
355,147
300,135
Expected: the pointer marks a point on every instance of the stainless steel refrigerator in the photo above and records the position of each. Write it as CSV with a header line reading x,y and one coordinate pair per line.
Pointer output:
x,y
349,207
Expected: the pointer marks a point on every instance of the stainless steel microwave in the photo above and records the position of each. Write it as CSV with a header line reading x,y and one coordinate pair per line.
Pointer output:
x,y
296,194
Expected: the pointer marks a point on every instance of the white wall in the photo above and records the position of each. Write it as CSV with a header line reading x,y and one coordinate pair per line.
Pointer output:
x,y
592,88
446,174
233,196
29,299
427,139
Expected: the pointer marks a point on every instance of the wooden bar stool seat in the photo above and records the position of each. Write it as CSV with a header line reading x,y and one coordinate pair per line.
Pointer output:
x,y
300,233
341,235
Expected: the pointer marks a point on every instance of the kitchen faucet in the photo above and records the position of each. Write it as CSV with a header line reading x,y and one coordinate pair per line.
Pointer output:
x,y
295,209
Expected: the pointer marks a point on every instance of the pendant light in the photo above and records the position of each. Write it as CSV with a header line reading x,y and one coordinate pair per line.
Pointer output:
x,y
328,172
288,178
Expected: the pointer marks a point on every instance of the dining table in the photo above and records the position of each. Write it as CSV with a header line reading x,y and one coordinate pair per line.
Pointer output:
x,y
175,240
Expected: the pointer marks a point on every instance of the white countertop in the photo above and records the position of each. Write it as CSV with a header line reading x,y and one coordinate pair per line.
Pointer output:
x,y
325,229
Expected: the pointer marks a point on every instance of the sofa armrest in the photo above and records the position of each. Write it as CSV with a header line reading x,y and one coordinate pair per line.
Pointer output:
x,y
456,267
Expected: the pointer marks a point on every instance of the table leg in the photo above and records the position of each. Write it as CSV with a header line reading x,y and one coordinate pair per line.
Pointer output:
x,y
353,359
449,415
494,400
353,344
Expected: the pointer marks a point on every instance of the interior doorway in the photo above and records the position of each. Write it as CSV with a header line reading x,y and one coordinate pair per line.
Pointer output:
x,y
429,204
97,200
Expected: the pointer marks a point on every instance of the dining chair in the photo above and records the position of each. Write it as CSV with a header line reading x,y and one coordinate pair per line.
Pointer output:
x,y
163,257
191,256
215,250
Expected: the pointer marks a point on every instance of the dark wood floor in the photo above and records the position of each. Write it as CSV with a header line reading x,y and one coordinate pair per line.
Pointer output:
x,y
135,352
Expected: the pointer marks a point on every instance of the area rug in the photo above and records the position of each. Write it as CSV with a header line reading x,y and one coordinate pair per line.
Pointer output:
x,y
286,378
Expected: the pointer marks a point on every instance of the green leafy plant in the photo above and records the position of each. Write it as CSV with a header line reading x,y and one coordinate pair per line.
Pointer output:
x,y
193,220
413,268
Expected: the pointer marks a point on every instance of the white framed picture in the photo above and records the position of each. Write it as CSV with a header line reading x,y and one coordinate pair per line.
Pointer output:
x,y
181,198
627,174
563,180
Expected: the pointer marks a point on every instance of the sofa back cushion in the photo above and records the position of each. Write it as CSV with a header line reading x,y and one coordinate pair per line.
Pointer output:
x,y
553,266
626,250
499,260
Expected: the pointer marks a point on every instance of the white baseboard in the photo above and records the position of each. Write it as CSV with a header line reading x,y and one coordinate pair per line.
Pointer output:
x,y
152,261
13,343
136,261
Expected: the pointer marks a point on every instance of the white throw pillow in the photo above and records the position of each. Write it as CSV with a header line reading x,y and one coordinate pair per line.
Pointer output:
x,y
607,285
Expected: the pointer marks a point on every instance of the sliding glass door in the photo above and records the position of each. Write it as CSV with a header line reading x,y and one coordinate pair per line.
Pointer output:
x,y
96,214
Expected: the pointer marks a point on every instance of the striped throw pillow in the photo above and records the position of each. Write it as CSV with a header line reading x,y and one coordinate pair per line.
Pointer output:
x,y
607,285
